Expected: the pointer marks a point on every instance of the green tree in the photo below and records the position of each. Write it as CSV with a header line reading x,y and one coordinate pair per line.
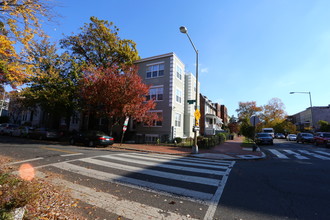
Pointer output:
x,y
285,127
324,126
98,44
53,87
247,129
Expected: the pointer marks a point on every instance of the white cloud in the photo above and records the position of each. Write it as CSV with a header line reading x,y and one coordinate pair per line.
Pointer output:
x,y
204,70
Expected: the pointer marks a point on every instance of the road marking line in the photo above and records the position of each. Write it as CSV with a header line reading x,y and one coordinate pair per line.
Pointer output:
x,y
131,182
187,159
69,155
322,152
113,204
278,154
168,175
191,169
25,161
175,161
55,149
213,204
298,156
314,155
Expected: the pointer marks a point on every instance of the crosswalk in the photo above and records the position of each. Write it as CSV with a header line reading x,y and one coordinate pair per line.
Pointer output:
x,y
194,178
299,154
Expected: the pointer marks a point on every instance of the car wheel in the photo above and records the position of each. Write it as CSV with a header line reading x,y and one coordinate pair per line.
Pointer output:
x,y
40,137
90,143
315,143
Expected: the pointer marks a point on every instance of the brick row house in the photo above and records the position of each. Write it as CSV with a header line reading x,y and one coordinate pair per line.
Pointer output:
x,y
211,121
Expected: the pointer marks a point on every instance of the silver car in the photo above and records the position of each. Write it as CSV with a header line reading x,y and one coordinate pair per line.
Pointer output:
x,y
291,137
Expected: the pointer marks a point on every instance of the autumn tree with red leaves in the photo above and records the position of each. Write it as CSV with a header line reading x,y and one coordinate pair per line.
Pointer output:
x,y
117,92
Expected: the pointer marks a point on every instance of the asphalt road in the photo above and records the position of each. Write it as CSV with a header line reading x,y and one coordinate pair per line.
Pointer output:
x,y
291,183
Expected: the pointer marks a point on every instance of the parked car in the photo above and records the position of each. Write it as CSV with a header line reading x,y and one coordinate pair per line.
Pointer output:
x,y
279,136
92,138
305,137
43,133
322,138
21,131
2,126
291,137
7,128
264,138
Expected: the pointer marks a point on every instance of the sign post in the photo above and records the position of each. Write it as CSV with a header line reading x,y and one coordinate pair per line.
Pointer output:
x,y
254,121
124,129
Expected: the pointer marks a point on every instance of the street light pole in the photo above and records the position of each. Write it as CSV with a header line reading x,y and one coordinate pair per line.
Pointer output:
x,y
310,102
195,146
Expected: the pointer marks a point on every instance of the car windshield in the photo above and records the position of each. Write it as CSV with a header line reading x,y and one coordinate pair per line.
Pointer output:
x,y
100,133
263,135
307,135
96,133
326,135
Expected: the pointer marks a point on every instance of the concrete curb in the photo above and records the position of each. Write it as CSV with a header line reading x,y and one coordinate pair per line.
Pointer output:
x,y
214,156
149,151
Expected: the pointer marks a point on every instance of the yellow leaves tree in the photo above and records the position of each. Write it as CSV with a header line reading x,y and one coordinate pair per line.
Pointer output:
x,y
22,19
20,23
273,112
12,71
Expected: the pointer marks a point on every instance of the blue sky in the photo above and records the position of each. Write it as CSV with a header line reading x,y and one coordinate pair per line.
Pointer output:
x,y
250,50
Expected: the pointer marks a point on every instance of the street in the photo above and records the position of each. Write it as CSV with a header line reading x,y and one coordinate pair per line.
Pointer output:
x,y
291,183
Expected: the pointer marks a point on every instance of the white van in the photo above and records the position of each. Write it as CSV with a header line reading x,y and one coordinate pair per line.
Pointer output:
x,y
269,130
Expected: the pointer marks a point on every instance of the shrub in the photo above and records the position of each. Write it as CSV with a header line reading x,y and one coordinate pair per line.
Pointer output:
x,y
15,193
178,140
222,137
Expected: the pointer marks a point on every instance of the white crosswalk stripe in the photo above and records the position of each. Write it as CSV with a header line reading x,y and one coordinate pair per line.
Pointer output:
x,y
173,169
300,154
314,155
278,154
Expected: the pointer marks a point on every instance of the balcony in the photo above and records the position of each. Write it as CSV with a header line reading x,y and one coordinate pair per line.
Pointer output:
x,y
212,124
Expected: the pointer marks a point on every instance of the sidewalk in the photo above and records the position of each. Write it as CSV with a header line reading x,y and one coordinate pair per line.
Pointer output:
x,y
230,150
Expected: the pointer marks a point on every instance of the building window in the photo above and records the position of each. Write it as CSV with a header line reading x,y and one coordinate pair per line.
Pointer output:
x,y
151,138
156,123
178,96
179,72
177,120
155,93
156,70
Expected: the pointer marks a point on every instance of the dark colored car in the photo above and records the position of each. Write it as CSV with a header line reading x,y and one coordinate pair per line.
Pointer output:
x,y
22,131
322,138
43,133
264,138
92,138
305,138
7,128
